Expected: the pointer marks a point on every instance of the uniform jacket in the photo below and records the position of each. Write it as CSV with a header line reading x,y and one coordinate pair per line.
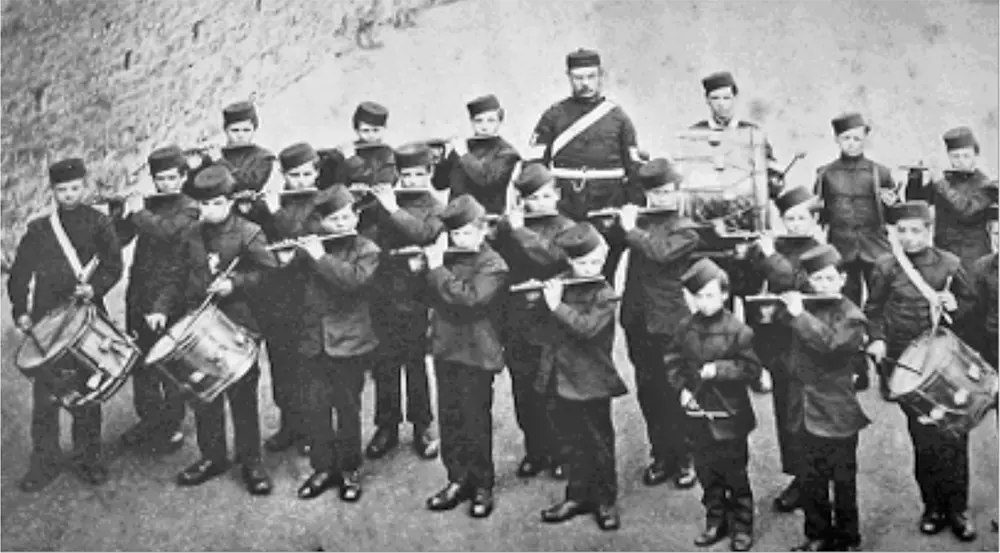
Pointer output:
x,y
464,293
250,165
821,399
367,162
203,245
336,319
896,310
39,256
577,350
485,172
960,203
156,231
853,208
654,296
984,282
721,339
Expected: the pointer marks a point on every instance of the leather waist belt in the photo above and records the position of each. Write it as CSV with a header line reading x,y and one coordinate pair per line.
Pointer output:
x,y
589,174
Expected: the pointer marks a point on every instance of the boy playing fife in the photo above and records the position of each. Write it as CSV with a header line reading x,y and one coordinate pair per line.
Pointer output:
x,y
42,257
899,312
577,371
711,362
467,354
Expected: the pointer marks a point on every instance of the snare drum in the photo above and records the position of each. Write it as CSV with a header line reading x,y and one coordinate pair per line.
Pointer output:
x,y
84,358
955,387
204,353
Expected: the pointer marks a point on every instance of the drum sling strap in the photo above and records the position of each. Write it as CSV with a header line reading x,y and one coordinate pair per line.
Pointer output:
x,y
580,125
81,273
925,289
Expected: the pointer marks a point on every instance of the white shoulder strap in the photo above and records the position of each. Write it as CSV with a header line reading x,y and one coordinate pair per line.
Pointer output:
x,y
67,247
918,281
581,125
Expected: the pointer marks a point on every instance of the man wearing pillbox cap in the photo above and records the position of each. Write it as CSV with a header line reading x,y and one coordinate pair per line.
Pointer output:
x,y
366,157
400,305
526,240
578,374
652,305
590,144
821,410
898,313
467,353
156,230
41,258
204,250
710,363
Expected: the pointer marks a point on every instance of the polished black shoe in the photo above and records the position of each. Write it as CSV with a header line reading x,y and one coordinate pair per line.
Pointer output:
x,y
201,472
256,480
283,439
656,473
40,475
91,472
711,535
317,483
448,497
482,503
384,440
558,470
350,486
561,512
789,499
931,522
686,477
815,545
962,526
741,541
531,466
607,517
425,442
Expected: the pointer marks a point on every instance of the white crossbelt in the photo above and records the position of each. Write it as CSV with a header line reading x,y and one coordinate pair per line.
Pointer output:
x,y
589,174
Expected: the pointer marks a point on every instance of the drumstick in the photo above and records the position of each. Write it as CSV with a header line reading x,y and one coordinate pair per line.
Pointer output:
x,y
211,296
897,363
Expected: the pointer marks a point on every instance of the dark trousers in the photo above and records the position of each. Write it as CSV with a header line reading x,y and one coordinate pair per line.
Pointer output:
x,y
666,423
859,275
788,446
157,400
210,420
403,352
534,411
590,433
610,269
941,467
826,460
288,383
335,384
86,428
465,403
722,470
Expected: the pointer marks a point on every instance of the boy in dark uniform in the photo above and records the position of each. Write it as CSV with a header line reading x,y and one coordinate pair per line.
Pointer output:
x,y
40,256
205,249
368,154
526,240
898,312
578,371
822,409
400,308
467,354
156,230
337,340
652,305
711,363
984,282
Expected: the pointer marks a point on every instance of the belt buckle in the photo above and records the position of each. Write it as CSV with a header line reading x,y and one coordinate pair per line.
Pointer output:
x,y
579,185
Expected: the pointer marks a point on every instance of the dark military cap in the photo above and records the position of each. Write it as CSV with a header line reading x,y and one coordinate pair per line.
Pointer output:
x,y
579,240
917,209
165,159
796,196
239,111
372,113
211,182
583,58
700,274
483,103
658,172
820,257
533,176
332,200
847,121
414,154
66,170
719,80
461,211
960,137
296,155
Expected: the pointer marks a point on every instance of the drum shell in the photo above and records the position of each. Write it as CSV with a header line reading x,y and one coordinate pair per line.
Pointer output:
x,y
210,353
956,388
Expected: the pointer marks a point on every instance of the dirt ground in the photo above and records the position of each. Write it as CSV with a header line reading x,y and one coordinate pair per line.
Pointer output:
x,y
916,67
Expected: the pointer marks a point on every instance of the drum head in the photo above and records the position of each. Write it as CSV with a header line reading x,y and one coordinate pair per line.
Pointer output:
x,y
67,321
168,343
917,364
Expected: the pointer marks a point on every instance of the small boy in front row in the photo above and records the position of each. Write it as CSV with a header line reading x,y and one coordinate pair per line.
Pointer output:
x,y
577,368
711,362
